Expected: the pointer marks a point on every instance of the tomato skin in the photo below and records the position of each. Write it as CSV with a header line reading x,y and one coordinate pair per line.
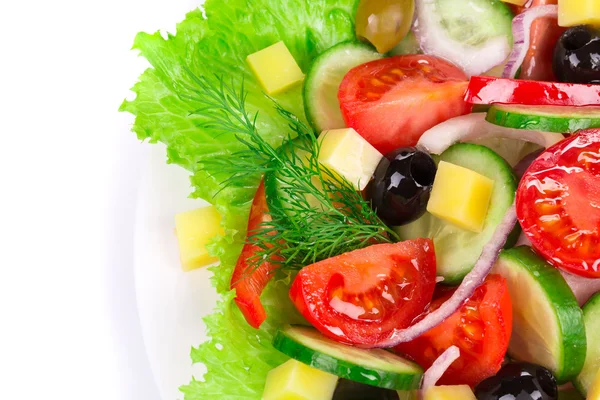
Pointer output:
x,y
249,285
391,102
482,351
558,204
361,296
489,90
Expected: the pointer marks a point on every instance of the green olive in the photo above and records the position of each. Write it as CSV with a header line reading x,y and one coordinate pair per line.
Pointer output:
x,y
384,23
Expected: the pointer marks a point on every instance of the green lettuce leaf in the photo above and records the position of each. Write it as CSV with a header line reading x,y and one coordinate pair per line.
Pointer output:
x,y
237,356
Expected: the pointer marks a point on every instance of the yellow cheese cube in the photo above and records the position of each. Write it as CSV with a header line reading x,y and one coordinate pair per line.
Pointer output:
x,y
517,2
194,230
594,391
294,380
460,196
275,68
578,12
345,152
460,392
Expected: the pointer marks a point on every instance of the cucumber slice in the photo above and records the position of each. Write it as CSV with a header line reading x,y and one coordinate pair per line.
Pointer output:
x,y
376,367
512,150
591,319
548,325
545,118
323,81
456,249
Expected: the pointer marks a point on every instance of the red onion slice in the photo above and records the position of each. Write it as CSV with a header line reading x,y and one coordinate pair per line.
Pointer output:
x,y
521,34
474,126
439,367
583,288
434,39
472,281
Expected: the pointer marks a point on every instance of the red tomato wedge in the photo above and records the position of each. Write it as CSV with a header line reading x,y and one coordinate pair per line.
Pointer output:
x,y
558,204
360,297
488,90
480,329
393,101
248,284
544,35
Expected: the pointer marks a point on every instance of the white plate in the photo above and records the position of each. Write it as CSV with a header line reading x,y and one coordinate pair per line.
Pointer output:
x,y
171,302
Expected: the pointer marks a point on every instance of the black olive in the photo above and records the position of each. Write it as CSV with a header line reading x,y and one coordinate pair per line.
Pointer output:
x,y
577,56
519,381
350,390
401,185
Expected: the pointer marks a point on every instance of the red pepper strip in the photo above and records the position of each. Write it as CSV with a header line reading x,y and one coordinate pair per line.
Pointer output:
x,y
544,35
488,90
250,284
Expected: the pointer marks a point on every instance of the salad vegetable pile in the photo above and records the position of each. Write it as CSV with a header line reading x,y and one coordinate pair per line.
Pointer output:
x,y
405,194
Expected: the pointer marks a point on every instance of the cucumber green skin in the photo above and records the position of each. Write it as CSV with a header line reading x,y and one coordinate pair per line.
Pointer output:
x,y
568,314
477,158
522,118
591,315
311,82
346,369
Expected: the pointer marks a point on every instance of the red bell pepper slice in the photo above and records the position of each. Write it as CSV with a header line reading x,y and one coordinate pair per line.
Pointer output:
x,y
488,90
250,284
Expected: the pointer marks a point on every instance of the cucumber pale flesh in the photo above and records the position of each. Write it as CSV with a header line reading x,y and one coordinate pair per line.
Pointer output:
x,y
591,318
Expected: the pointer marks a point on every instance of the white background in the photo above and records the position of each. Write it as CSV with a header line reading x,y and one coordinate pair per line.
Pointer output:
x,y
69,172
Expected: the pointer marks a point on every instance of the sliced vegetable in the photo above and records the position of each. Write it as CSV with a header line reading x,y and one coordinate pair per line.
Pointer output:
x,y
594,392
323,82
374,367
460,196
457,249
480,329
408,45
474,127
195,228
522,36
439,367
289,381
384,23
487,90
247,282
583,288
459,392
275,68
391,102
591,369
475,35
548,323
578,12
349,155
545,118
360,297
557,204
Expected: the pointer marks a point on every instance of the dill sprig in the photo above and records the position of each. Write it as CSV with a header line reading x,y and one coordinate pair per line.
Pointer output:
x,y
319,213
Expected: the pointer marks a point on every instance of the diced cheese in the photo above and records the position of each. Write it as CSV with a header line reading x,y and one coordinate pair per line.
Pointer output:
x,y
345,152
578,12
294,380
594,391
194,230
459,392
275,68
517,2
460,196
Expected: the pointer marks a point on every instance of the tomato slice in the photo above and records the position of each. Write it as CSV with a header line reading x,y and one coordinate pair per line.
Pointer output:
x,y
558,204
488,90
393,101
480,329
248,284
360,297
545,32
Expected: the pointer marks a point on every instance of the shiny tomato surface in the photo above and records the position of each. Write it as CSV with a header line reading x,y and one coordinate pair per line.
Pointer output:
x,y
558,204
481,329
393,101
360,297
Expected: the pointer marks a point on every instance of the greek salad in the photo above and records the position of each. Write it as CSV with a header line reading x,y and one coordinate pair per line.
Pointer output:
x,y
405,194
